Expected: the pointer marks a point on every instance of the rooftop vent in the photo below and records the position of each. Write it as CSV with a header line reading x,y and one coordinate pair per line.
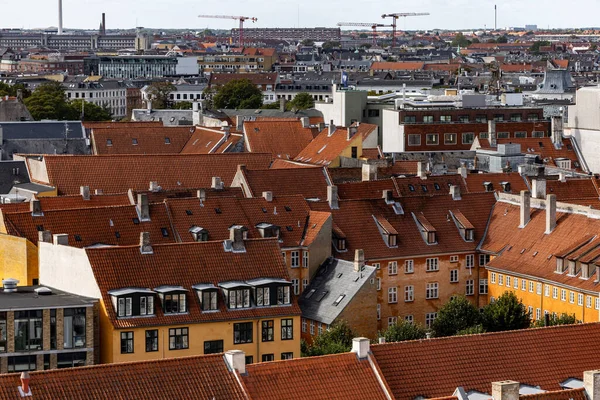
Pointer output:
x,y
43,291
10,285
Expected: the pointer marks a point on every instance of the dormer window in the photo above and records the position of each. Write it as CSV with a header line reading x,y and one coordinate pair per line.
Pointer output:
x,y
268,230
174,299
505,186
263,296
388,232
392,240
428,232
489,186
283,295
208,296
133,302
560,262
199,234
469,235
466,229
237,294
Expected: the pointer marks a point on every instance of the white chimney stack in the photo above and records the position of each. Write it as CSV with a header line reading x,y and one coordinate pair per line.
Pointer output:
x,y
591,383
332,197
525,208
422,169
236,359
505,390
60,22
361,347
550,213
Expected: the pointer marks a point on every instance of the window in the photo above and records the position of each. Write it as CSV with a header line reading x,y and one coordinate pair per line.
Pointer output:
x,y
588,301
268,330
500,279
22,363
428,118
167,140
531,286
377,266
213,346
470,289
268,357
445,118
287,356
432,139
520,134
263,296
429,318
432,264
28,330
354,151
532,117
453,275
392,268
409,293
287,329
305,259
470,260
3,331
538,134
450,138
468,138
503,135
483,286
563,295
126,342
530,311
283,295
431,291
571,297
393,295
499,117
414,140
516,283
597,303
134,142
147,305
538,313
239,298
109,142
304,284
151,340
523,285
312,327
304,325
242,333
378,284
409,266
493,277
175,303
463,118
74,328
53,340
579,299
507,281
70,360
410,119
295,259
392,321
209,300
178,339
378,312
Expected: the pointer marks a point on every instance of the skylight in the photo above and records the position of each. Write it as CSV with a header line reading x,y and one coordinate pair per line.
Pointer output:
x,y
322,295
339,299
309,295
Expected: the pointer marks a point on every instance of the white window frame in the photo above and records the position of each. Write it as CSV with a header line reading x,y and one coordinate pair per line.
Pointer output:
x,y
531,287
453,275
571,297
429,318
493,277
378,312
579,299
516,283
393,268
296,286
409,293
392,295
409,266
432,264
432,290
538,289
470,287
392,321
378,284
295,259
483,286
563,295
305,258
523,285
470,260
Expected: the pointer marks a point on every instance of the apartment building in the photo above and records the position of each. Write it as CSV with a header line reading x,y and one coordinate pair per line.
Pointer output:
x,y
266,82
103,93
295,34
164,301
239,60
44,328
130,67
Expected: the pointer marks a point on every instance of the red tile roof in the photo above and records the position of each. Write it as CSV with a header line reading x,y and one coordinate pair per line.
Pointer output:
x,y
118,225
516,67
160,196
339,376
117,174
199,377
542,357
475,182
286,164
367,189
563,394
283,139
69,202
209,140
397,66
148,140
308,182
188,264
572,188
344,175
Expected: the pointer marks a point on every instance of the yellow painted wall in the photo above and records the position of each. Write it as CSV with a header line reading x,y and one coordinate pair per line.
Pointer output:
x,y
18,259
355,142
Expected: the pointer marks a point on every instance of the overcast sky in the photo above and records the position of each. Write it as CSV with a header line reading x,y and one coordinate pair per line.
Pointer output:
x,y
451,14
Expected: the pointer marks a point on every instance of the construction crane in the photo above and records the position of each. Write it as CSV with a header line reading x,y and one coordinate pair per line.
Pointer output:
x,y
241,19
373,26
395,17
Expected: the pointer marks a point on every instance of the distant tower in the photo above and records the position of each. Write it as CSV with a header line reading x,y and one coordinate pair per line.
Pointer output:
x,y
103,29
60,25
495,17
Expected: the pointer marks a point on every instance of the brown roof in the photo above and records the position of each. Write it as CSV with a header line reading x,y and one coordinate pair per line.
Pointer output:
x,y
69,202
117,174
283,139
148,140
161,195
118,225
367,189
434,185
573,188
308,182
343,175
475,182
188,264
542,357
278,163
338,376
199,377
131,124
209,140
397,66
516,67
563,394
256,78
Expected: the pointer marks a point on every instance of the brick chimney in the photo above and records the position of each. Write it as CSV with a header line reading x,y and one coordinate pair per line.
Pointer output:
x,y
422,169
60,239
35,207
369,172
145,245
492,134
143,207
154,186
236,236
236,360
525,208
591,383
24,389
268,196
455,192
85,192
359,259
550,213
361,347
505,390
332,197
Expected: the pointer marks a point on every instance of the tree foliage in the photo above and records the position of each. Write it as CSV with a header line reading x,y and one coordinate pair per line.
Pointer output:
x,y
307,43
403,330
506,313
336,339
502,39
48,102
302,101
456,315
472,330
238,94
182,105
159,93
562,319
91,111
331,45
460,40
11,90
535,48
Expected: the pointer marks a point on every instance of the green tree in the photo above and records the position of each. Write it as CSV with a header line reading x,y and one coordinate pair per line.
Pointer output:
x,y
91,111
502,39
271,106
302,101
182,105
307,43
475,40
336,339
460,40
506,313
456,315
159,93
403,330
363,36
535,48
11,90
238,94
562,319
473,330
331,45
48,102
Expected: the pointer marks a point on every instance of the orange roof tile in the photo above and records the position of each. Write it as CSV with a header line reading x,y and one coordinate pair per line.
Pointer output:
x,y
308,182
69,202
475,182
345,175
526,356
572,188
161,195
283,139
209,140
147,140
563,394
397,66
339,376
317,220
117,174
278,163
367,189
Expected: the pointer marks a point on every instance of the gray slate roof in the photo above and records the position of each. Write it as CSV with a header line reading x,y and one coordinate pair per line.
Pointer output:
x,y
25,298
12,173
336,277
42,130
13,110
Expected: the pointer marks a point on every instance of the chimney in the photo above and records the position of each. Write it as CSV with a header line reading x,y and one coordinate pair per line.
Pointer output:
x,y
154,186
369,172
143,207
332,197
462,171
103,24
45,237
85,192
60,20
236,360
239,123
562,177
201,195
550,213
422,169
24,389
145,245
321,126
226,131
35,207
236,236
351,132
591,383
538,187
455,192
282,104
361,347
387,195
10,285
20,95
505,390
98,192
492,134
525,208
381,340
268,196
149,106
332,128
60,239
557,131
305,122
359,260
217,184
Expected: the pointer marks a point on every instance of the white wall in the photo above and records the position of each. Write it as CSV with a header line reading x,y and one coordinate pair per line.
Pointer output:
x,y
67,268
187,66
588,142
585,114
392,132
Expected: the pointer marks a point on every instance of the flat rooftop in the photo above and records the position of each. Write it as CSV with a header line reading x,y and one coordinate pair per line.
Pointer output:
x,y
26,298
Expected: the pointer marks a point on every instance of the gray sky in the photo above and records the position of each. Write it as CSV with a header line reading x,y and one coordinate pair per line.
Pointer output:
x,y
286,13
